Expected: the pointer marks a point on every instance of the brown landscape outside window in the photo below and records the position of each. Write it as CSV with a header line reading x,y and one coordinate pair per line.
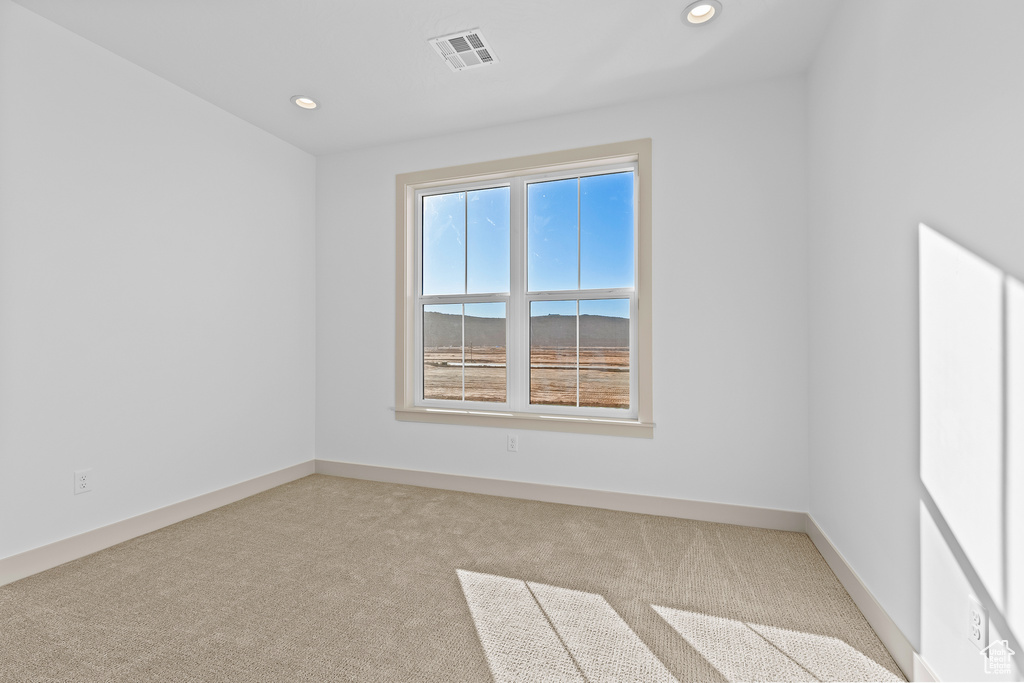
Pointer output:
x,y
464,356
577,357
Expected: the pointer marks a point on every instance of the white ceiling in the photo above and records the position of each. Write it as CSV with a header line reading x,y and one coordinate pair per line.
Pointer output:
x,y
378,80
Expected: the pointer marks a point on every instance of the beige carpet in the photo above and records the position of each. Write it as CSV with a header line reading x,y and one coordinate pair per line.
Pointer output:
x,y
331,579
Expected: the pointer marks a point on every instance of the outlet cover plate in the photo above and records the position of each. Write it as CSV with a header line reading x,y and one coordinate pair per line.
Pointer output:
x,y
977,619
83,481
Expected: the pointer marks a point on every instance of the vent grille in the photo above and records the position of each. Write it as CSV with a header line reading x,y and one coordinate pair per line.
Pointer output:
x,y
464,50
459,43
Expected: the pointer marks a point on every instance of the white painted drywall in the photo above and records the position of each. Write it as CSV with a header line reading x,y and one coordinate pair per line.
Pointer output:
x,y
943,629
914,116
156,290
729,306
969,532
961,341
1013,490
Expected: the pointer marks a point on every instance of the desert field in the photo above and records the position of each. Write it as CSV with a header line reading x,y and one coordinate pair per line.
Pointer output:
x,y
485,374
603,375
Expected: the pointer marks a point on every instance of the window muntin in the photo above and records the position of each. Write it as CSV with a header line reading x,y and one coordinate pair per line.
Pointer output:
x,y
581,232
571,240
580,353
465,242
464,352
554,353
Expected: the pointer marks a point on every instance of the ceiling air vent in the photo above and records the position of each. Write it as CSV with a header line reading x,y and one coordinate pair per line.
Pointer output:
x,y
464,50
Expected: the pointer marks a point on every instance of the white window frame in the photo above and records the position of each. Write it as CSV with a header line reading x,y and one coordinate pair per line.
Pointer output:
x,y
517,412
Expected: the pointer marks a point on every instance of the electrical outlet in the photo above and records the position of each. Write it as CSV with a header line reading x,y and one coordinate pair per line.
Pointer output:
x,y
977,617
83,481
513,443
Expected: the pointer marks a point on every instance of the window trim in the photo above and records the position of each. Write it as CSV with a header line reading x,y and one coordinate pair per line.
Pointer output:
x,y
407,185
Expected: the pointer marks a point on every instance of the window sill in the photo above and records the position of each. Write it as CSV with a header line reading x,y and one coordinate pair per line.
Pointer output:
x,y
549,423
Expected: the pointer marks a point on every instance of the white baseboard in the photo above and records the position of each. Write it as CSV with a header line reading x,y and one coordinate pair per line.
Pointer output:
x,y
888,632
48,556
765,518
922,672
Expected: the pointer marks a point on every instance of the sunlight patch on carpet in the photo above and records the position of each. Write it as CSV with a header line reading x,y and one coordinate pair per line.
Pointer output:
x,y
532,631
747,651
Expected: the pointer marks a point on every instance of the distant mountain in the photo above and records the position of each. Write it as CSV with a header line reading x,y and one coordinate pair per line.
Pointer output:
x,y
444,329
595,330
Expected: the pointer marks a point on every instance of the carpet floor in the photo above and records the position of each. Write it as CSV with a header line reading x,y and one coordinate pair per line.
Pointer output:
x,y
334,579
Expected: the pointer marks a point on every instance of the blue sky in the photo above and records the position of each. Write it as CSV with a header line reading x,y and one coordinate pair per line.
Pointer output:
x,y
594,212
605,222
445,245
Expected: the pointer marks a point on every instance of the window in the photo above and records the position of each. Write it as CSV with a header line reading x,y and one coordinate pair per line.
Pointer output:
x,y
523,292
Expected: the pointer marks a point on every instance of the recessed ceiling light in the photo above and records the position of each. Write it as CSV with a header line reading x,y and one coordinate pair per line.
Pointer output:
x,y
305,102
702,11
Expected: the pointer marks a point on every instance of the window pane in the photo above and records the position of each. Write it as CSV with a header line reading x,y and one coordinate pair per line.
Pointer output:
x,y
487,213
606,231
553,353
485,352
442,351
604,353
444,244
552,235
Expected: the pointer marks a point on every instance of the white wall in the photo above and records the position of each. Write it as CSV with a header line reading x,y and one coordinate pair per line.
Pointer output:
x,y
915,116
156,290
971,534
730,342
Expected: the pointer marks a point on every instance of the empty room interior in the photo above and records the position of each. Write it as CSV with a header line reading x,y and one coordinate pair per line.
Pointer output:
x,y
529,341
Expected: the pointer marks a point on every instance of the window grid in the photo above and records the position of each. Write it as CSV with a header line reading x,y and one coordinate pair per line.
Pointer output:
x,y
519,299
